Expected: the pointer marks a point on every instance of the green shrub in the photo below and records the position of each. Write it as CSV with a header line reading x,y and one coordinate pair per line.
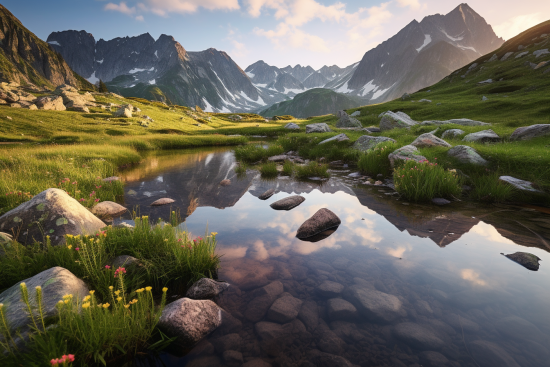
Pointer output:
x,y
240,169
375,161
254,153
312,169
283,118
489,188
288,168
269,169
425,181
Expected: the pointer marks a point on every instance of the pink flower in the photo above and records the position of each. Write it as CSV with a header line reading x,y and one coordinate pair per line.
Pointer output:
x,y
54,362
96,200
107,267
74,183
119,271
77,249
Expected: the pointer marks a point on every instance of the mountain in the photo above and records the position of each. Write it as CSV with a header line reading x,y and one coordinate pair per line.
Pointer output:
x,y
314,102
24,58
419,55
315,80
270,79
299,72
163,70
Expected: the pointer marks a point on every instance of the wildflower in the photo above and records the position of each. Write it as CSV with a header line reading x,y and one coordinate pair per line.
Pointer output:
x,y
70,247
85,299
96,200
106,305
127,306
148,289
117,293
86,305
92,292
74,183
164,289
77,248
214,233
140,290
107,267
119,299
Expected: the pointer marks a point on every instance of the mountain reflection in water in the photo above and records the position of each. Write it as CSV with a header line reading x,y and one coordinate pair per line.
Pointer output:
x,y
461,303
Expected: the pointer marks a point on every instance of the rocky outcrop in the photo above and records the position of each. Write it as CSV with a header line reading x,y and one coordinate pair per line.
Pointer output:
x,y
288,203
124,111
429,140
406,153
530,132
51,103
391,120
367,142
321,221
466,154
317,128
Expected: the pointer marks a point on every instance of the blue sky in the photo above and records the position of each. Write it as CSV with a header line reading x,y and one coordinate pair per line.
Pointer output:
x,y
280,32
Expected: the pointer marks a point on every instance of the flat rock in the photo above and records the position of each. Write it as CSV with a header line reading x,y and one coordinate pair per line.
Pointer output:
x,y
406,153
328,341
488,354
463,122
378,306
320,359
440,201
262,301
519,329
425,101
322,220
288,203
278,158
429,140
231,341
163,201
452,133
391,120
232,358
51,103
417,336
266,195
520,184
107,209
206,288
339,137
525,259
372,129
348,121
189,320
52,212
340,309
292,126
485,136
367,142
111,179
433,359
284,309
466,154
329,289
530,132
317,128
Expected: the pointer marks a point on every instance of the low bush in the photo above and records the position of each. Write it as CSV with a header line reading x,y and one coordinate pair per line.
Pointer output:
x,y
269,169
283,118
312,169
288,168
375,161
488,188
254,153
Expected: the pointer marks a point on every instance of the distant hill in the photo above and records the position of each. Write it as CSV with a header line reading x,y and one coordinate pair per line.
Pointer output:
x,y
314,102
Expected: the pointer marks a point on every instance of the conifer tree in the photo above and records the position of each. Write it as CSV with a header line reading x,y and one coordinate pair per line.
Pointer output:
x,y
102,87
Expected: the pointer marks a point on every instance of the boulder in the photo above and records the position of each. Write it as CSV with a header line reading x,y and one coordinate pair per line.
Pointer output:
x,y
339,309
521,185
530,132
52,103
225,182
53,213
284,309
348,121
206,288
372,129
262,301
322,220
64,88
124,111
466,154
163,201
231,341
405,96
425,101
278,158
417,336
519,329
356,113
78,108
429,140
15,105
488,354
406,153
232,358
541,52
108,209
269,331
506,56
55,283
452,134
339,137
189,320
433,359
377,306
463,122
320,127
124,261
320,359
484,98
329,289
266,195
309,314
32,107
288,203
391,120
292,126
367,142
341,113
485,136
525,259
440,201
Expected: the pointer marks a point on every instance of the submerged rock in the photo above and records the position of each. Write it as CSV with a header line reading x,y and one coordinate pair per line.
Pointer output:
x,y
466,154
417,336
488,354
322,220
406,153
266,195
485,136
440,201
525,259
339,137
429,140
284,309
530,132
329,289
206,288
367,142
163,201
288,203
317,128
378,306
339,309
520,184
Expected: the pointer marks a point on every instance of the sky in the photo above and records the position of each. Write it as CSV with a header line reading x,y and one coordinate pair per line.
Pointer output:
x,y
280,32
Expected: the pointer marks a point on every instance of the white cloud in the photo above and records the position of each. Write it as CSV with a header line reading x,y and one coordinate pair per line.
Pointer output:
x,y
140,18
514,26
413,4
122,8
164,7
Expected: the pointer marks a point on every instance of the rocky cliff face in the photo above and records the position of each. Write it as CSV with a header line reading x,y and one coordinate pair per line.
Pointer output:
x,y
24,58
299,72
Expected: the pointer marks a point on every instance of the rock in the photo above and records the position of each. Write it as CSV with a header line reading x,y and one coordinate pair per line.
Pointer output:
x,y
484,98
391,120
163,201
329,289
284,309
189,320
65,88
484,136
525,259
124,261
232,358
417,336
266,195
55,282
309,315
322,220
378,306
111,179
488,81
405,96
32,107
518,329
429,140
317,128
463,122
521,54
506,56
264,297
425,101
356,113
124,111
367,142
15,105
278,158
231,341
348,121
225,182
339,309
269,331
288,203
433,359
108,209
292,126
466,154
320,359
206,288
6,239
257,363
488,354
452,133
52,212
51,103
339,137
328,341
520,184
493,58
541,52
124,225
540,65
406,153
78,108
440,201
372,129
530,132
341,113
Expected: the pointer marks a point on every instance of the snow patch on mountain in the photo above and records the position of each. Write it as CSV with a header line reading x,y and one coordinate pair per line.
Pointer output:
x,y
152,82
208,107
54,43
93,79
369,87
380,93
250,75
344,88
459,38
427,40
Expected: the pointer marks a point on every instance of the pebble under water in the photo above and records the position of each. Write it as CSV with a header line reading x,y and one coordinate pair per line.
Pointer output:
x,y
397,284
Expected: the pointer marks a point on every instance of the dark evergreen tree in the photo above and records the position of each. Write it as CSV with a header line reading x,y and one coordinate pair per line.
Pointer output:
x,y
102,87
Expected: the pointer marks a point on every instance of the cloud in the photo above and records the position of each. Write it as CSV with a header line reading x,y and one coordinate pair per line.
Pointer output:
x,y
514,26
413,4
122,8
140,18
164,7
472,276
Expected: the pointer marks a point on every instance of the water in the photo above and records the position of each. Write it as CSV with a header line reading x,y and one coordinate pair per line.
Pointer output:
x,y
445,295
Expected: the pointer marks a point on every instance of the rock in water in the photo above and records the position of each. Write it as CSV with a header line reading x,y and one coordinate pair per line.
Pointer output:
x,y
284,309
53,213
206,288
108,209
406,153
348,121
488,354
288,203
530,132
466,154
452,133
440,201
266,195
317,128
55,282
378,306
292,126
189,320
520,184
329,289
391,120
485,136
339,309
163,201
417,336
429,140
339,137
525,259
321,221
225,182
367,142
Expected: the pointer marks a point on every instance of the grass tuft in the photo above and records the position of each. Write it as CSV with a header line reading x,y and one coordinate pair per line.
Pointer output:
x,y
375,161
269,169
312,169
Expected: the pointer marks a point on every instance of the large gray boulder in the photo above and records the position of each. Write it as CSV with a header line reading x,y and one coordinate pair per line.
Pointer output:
x,y
488,354
320,127
189,320
376,305
51,103
288,203
466,154
341,113
206,288
463,122
525,259
124,111
108,209
391,120
322,220
429,140
530,132
406,153
452,133
292,126
339,137
417,336
521,185
52,212
485,136
367,142
55,283
348,121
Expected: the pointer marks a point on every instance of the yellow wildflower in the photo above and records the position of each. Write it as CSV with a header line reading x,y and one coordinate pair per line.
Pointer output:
x,y
101,304
67,301
60,302
111,287
148,289
134,301
164,289
140,290
85,299
127,306
117,293
213,233
92,292
119,299
86,305
67,296
106,305
70,247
